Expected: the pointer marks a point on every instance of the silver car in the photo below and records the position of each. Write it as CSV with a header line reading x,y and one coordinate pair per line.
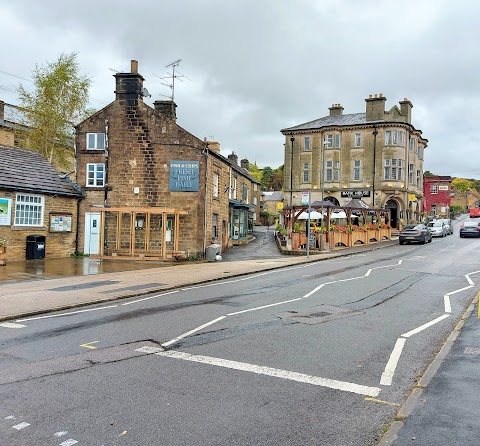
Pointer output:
x,y
437,228
448,225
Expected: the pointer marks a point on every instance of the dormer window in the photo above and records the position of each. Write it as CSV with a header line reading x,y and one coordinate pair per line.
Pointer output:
x,y
95,141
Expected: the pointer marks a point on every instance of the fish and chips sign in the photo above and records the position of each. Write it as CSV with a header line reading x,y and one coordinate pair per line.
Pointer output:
x,y
184,176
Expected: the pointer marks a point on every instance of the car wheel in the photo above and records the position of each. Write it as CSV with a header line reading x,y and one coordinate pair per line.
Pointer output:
x,y
424,241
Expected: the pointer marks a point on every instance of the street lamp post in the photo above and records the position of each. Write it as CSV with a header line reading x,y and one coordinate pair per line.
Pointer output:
x,y
292,139
322,187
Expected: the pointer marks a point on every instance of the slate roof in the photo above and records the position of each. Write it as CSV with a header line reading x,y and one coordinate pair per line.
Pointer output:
x,y
272,196
328,121
24,170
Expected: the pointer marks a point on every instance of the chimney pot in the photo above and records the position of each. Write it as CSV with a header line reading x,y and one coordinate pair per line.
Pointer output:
x,y
369,96
134,66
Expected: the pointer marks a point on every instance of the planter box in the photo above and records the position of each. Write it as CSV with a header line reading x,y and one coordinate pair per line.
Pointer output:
x,y
298,239
3,255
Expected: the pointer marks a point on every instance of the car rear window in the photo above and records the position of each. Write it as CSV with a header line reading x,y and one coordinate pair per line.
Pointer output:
x,y
471,224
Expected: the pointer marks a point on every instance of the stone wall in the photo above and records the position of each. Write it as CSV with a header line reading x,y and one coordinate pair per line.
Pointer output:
x,y
58,244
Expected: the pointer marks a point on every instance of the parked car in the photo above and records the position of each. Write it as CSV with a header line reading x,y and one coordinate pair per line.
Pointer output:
x,y
474,212
415,233
470,229
437,228
448,225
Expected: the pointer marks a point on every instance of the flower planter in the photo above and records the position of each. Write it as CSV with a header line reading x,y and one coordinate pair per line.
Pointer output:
x,y
384,234
359,238
372,235
298,239
3,255
342,239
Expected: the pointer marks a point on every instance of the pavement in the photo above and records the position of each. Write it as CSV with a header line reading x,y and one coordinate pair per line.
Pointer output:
x,y
443,404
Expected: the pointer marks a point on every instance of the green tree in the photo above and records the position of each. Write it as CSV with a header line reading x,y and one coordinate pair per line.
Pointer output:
x,y
427,174
277,179
267,177
462,185
255,171
58,102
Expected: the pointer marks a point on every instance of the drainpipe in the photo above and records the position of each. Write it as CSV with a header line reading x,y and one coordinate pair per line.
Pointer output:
x,y
375,133
205,151
106,163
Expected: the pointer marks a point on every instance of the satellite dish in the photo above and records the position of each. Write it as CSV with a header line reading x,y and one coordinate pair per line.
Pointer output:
x,y
145,93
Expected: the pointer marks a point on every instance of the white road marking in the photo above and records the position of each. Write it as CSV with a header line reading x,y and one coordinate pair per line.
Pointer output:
x,y
389,371
60,434
188,333
11,325
446,302
10,417
69,442
21,426
148,349
276,373
65,314
424,326
264,306
470,281
150,297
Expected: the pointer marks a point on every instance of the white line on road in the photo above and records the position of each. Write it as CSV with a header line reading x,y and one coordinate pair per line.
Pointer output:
x,y
276,373
65,314
446,302
389,371
470,281
11,325
150,297
264,306
21,426
69,442
424,326
188,333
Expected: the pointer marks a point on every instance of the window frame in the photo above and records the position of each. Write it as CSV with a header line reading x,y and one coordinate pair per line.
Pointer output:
x,y
96,134
38,209
433,189
357,140
338,140
95,176
215,184
306,172
357,164
307,146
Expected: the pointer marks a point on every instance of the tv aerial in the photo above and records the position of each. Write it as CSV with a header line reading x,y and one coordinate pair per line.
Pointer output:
x,y
169,81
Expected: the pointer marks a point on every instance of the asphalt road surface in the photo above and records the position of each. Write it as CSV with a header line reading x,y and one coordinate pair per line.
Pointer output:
x,y
317,354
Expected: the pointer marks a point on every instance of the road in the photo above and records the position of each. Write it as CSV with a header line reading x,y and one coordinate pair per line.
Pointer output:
x,y
322,353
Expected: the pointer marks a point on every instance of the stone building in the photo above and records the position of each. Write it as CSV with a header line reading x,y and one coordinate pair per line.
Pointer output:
x,y
154,190
437,195
376,155
36,200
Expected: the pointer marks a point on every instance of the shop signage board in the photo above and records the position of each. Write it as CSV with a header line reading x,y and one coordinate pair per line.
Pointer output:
x,y
184,176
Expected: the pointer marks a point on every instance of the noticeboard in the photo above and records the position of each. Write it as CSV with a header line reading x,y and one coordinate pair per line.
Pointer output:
x,y
60,223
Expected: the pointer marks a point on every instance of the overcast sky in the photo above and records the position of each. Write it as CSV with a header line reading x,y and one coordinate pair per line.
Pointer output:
x,y
253,67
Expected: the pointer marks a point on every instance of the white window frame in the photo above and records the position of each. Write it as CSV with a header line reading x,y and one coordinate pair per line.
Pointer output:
x,y
29,210
412,145
329,172
388,137
419,180
434,189
356,170
306,144
233,188
95,178
337,140
401,138
306,173
329,140
95,142
214,226
410,174
357,140
215,184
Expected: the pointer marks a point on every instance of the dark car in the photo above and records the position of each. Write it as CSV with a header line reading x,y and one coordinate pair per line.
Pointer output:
x,y
415,233
470,229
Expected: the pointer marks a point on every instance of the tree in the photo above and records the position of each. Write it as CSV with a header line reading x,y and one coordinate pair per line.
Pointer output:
x,y
427,174
58,102
462,185
267,177
277,179
255,171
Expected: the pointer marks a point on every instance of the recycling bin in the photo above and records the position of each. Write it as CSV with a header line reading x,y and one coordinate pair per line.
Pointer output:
x,y
35,247
212,251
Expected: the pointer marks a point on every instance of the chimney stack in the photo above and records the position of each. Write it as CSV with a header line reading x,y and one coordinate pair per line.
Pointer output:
x,y
213,146
233,157
129,86
375,109
336,110
406,110
168,109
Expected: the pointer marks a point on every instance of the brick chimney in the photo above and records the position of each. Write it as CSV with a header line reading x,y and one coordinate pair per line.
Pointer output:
x,y
233,157
336,110
167,109
245,164
406,109
128,86
214,146
375,109
2,110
